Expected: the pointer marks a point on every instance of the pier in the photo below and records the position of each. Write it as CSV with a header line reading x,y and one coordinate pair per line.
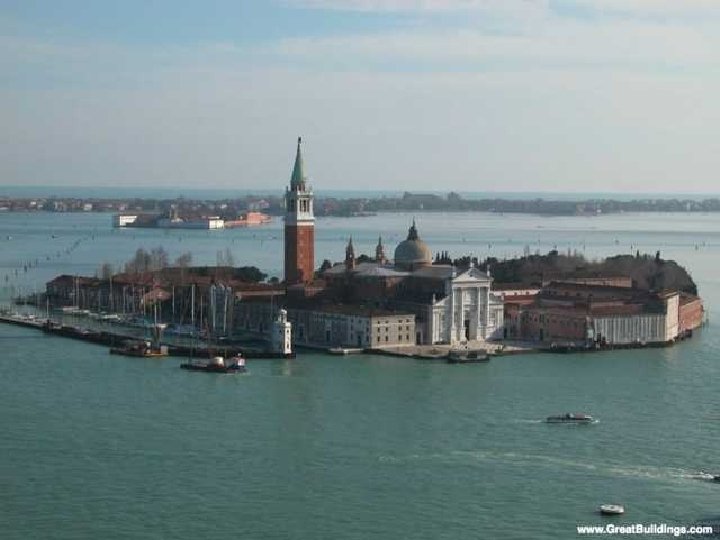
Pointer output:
x,y
114,338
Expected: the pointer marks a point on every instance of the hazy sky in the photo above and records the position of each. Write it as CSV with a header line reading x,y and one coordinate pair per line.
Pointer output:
x,y
473,95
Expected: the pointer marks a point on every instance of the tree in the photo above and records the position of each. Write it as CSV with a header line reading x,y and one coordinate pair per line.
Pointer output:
x,y
106,270
249,274
139,263
184,260
158,258
225,258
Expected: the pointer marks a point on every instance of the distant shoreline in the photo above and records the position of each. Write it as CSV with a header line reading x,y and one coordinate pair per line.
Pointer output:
x,y
331,206
223,193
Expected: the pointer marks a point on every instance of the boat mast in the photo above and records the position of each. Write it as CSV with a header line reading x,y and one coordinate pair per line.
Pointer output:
x,y
192,304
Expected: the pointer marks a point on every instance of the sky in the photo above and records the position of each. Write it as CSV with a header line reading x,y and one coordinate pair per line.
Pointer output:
x,y
424,95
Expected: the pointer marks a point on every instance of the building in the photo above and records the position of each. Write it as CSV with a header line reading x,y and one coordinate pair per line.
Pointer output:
x,y
248,219
299,226
124,220
469,311
352,326
281,337
450,307
573,311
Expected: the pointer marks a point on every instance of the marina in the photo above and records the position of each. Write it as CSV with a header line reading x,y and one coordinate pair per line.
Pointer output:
x,y
116,340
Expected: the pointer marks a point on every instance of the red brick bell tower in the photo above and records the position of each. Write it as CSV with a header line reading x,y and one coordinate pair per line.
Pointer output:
x,y
299,226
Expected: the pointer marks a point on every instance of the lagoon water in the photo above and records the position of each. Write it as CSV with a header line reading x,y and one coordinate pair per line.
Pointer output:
x,y
95,446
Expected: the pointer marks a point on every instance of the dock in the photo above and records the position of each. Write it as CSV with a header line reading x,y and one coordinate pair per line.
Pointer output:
x,y
112,339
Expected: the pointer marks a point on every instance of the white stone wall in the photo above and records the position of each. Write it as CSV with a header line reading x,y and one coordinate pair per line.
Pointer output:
x,y
496,321
672,320
630,329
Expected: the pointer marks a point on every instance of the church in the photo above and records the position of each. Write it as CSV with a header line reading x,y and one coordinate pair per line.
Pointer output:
x,y
449,306
403,301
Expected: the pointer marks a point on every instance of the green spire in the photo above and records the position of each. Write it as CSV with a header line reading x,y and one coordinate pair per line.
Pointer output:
x,y
297,181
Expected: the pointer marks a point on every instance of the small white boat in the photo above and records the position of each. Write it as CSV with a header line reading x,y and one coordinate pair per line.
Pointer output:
x,y
612,509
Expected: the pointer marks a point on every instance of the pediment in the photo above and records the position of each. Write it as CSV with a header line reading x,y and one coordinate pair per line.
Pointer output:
x,y
472,275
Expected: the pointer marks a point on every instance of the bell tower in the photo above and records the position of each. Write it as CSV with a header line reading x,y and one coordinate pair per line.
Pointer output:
x,y
380,256
350,256
299,226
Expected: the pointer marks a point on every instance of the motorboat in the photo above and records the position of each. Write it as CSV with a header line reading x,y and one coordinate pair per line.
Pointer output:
x,y
612,509
570,418
218,364
710,477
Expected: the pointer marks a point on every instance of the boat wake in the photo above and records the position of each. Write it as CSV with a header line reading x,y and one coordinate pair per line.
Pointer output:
x,y
646,472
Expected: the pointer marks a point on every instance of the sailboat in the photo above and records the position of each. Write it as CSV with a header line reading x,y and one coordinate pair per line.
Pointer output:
x,y
216,363
145,348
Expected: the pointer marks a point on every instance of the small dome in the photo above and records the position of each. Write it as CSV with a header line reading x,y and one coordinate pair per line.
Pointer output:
x,y
413,252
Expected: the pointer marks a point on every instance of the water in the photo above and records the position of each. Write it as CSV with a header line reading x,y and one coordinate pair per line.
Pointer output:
x,y
361,447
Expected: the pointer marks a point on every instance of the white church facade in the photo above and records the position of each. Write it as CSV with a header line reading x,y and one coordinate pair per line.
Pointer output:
x,y
469,311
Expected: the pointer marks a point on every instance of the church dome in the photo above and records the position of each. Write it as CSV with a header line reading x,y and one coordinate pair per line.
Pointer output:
x,y
413,252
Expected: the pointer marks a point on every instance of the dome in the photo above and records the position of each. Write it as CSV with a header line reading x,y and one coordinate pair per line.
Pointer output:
x,y
413,252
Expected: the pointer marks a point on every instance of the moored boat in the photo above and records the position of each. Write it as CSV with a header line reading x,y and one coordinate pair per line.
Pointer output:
x,y
140,349
464,356
218,364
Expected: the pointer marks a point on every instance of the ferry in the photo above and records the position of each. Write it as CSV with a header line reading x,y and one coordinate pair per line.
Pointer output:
x,y
218,364
570,418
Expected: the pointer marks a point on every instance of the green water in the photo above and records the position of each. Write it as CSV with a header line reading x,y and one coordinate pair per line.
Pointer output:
x,y
97,446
